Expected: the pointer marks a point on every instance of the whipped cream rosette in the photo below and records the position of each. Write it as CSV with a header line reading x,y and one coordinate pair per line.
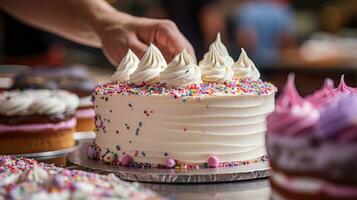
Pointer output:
x,y
181,72
149,67
222,50
214,68
126,67
245,68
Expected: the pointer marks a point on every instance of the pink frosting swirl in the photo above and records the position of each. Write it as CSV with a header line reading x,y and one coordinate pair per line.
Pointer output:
x,y
293,115
324,95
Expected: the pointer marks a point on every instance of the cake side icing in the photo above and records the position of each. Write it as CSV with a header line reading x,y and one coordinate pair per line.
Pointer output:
x,y
188,129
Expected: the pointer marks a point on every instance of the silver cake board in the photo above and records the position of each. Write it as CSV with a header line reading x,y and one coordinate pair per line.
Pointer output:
x,y
40,156
157,175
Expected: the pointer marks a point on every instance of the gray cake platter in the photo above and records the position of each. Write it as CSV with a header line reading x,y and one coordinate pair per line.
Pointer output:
x,y
155,175
40,156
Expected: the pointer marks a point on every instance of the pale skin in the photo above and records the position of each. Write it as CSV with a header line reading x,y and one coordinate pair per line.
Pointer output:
x,y
95,23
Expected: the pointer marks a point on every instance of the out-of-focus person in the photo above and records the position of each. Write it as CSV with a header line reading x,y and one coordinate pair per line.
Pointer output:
x,y
263,28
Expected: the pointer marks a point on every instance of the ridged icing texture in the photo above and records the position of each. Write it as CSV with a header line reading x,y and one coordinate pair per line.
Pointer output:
x,y
126,67
41,102
149,67
322,96
181,71
245,68
293,115
222,50
339,119
214,68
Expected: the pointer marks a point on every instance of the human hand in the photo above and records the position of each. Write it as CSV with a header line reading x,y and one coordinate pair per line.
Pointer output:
x,y
120,32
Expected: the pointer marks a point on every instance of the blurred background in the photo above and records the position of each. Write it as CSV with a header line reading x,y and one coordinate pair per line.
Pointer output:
x,y
313,38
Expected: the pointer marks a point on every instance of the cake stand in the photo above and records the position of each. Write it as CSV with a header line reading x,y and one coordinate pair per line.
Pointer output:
x,y
156,175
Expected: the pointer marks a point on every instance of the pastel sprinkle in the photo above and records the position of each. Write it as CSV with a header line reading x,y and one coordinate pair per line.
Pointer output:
x,y
213,161
235,87
170,163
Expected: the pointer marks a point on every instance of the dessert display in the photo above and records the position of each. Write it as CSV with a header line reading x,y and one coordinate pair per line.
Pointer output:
x,y
22,178
36,121
182,115
312,144
73,79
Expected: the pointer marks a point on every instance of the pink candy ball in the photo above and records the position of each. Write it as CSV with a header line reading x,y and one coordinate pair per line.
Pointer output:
x,y
213,161
126,160
170,163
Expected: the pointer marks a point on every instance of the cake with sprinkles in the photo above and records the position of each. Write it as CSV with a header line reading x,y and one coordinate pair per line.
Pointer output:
x,y
22,178
312,144
34,121
182,115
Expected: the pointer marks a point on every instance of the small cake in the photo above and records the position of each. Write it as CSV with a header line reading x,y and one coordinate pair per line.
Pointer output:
x,y
73,79
22,178
312,144
182,114
36,121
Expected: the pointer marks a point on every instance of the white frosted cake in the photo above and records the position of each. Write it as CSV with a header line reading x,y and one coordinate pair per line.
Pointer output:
x,y
181,114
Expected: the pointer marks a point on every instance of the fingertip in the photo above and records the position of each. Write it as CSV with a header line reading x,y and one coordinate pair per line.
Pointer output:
x,y
138,47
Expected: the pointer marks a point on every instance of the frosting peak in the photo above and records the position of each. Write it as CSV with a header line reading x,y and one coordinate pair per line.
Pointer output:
x,y
214,68
245,68
181,72
293,115
126,67
149,67
222,50
342,87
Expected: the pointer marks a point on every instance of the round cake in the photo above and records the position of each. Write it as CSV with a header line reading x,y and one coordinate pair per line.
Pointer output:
x,y
312,144
22,178
36,121
75,79
181,114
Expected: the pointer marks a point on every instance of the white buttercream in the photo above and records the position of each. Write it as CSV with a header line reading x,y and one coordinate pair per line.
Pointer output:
x,y
149,67
126,67
214,68
222,50
35,174
42,102
85,101
231,127
245,68
181,72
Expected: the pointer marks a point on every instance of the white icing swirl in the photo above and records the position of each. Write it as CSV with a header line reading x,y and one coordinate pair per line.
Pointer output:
x,y
126,67
14,104
71,101
181,72
150,66
245,68
35,174
41,102
214,68
48,106
222,50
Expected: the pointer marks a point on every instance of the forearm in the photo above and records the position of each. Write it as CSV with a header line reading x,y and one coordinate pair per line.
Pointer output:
x,y
77,20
